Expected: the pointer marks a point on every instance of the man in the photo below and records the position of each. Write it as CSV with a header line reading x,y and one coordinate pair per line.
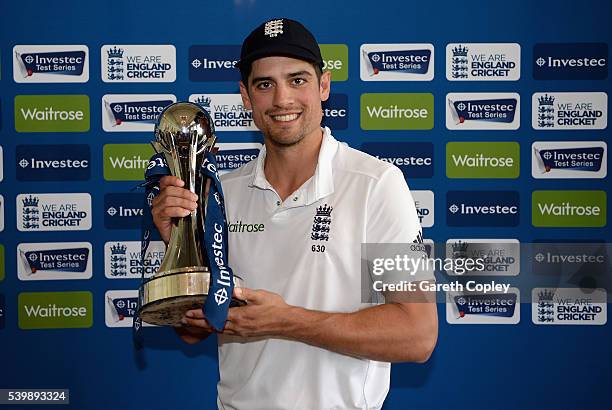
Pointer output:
x,y
303,208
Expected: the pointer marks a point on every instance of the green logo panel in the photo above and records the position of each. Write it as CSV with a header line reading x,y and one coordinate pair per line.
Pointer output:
x,y
482,160
51,113
335,59
2,265
397,111
126,162
55,310
568,209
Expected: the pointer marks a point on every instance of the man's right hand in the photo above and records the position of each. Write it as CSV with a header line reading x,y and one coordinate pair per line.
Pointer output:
x,y
173,201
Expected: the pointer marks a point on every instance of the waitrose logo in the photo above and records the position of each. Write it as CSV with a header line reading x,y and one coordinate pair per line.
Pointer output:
x,y
482,160
568,209
51,113
55,310
335,59
397,111
126,162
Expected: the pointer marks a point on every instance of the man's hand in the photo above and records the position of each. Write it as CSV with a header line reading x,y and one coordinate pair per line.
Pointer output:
x,y
173,201
264,315
192,335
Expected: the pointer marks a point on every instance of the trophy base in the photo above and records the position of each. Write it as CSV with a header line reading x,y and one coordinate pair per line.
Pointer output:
x,y
164,300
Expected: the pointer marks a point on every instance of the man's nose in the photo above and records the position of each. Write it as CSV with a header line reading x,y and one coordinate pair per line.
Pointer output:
x,y
283,96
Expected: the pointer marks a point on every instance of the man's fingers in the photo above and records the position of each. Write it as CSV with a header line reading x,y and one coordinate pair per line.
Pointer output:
x,y
170,181
195,314
198,323
249,295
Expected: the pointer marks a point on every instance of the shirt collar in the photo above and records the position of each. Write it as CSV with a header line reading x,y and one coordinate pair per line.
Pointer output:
x,y
320,185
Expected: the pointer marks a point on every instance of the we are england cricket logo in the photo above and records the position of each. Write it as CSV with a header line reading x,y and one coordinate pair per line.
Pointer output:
x,y
50,64
569,306
122,259
500,257
397,62
226,110
569,111
569,159
483,62
133,113
138,63
54,212
482,111
54,261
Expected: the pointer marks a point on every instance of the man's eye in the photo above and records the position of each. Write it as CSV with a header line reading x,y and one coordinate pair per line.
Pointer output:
x,y
264,85
299,81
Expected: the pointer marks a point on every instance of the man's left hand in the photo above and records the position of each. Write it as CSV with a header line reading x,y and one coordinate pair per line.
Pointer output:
x,y
265,314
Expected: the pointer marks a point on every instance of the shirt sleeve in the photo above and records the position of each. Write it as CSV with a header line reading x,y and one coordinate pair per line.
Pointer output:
x,y
391,212
393,231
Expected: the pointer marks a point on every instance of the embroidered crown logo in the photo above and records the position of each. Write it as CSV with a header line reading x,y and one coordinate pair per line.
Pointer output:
x,y
204,102
321,223
118,260
115,63
546,307
273,28
546,111
459,67
30,217
460,250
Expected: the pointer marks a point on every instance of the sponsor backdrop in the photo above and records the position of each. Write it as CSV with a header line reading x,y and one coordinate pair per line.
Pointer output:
x,y
497,115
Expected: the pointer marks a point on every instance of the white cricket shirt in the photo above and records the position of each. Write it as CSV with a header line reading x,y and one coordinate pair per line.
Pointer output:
x,y
307,249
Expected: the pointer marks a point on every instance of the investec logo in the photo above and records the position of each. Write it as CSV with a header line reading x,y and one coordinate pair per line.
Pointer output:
x,y
122,259
482,111
50,64
569,209
569,306
123,211
227,111
53,212
569,159
569,111
482,208
482,160
424,202
126,162
414,159
483,61
335,112
570,61
133,112
51,113
52,162
120,307
483,308
138,63
54,261
501,257
397,111
397,62
214,63
55,310
232,156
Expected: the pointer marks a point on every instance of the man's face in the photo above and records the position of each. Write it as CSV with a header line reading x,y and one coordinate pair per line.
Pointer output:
x,y
285,96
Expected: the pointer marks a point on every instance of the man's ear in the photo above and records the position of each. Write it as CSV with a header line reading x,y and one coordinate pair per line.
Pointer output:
x,y
324,85
246,101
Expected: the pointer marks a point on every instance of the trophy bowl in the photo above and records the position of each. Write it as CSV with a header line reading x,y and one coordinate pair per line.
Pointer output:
x,y
184,133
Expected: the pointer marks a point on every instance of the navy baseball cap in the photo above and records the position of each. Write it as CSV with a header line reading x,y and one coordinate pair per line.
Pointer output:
x,y
280,37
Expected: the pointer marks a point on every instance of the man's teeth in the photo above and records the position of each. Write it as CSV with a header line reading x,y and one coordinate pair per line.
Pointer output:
x,y
289,117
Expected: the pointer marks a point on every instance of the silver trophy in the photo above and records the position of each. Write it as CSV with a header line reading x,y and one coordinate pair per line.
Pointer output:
x,y
184,134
